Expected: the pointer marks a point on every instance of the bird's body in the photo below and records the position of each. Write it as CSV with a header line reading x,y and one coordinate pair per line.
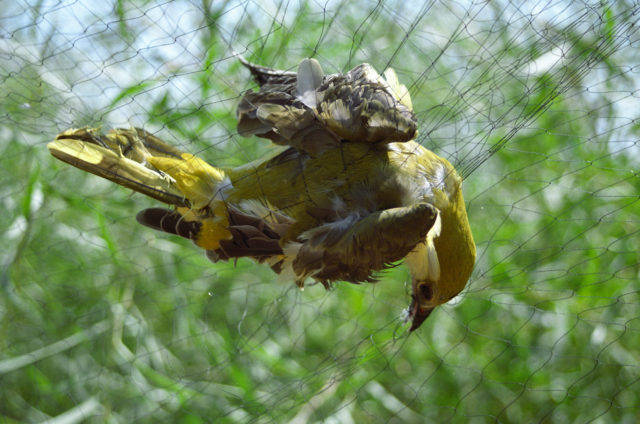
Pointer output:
x,y
356,178
350,194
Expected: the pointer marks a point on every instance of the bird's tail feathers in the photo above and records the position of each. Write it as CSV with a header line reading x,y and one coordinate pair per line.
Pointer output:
x,y
206,230
142,162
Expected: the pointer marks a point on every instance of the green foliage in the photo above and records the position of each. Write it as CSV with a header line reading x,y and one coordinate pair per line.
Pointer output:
x,y
104,318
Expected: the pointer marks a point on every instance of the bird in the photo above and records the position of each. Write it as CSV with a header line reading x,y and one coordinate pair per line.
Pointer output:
x,y
348,193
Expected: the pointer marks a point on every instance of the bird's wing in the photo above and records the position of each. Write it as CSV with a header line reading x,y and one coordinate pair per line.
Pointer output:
x,y
269,77
314,112
121,156
353,248
363,106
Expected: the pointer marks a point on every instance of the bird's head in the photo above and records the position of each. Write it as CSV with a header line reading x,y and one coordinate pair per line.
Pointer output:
x,y
441,266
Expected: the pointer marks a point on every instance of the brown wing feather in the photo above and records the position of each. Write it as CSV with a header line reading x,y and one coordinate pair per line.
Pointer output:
x,y
354,248
265,76
314,112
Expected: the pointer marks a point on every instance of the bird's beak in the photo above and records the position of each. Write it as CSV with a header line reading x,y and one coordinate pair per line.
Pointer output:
x,y
417,314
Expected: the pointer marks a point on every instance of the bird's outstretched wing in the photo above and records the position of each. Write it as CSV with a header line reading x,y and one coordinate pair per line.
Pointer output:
x,y
121,156
314,112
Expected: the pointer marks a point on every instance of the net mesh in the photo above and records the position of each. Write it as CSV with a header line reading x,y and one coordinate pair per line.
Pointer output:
x,y
105,320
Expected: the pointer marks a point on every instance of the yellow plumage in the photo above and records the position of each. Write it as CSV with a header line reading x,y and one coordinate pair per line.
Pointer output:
x,y
351,194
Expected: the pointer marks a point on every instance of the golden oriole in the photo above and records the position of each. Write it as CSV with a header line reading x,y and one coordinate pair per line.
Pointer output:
x,y
349,194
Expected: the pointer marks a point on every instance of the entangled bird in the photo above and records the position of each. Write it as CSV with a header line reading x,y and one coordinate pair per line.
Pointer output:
x,y
349,193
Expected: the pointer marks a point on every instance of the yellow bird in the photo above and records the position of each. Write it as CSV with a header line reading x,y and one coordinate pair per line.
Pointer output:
x,y
351,193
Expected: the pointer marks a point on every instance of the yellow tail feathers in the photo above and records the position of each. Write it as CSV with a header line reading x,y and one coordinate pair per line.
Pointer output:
x,y
196,179
203,185
140,161
212,228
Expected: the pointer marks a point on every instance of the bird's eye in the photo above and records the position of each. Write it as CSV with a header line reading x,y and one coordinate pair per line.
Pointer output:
x,y
426,292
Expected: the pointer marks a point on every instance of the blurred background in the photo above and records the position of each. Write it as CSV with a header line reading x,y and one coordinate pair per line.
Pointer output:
x,y
103,320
